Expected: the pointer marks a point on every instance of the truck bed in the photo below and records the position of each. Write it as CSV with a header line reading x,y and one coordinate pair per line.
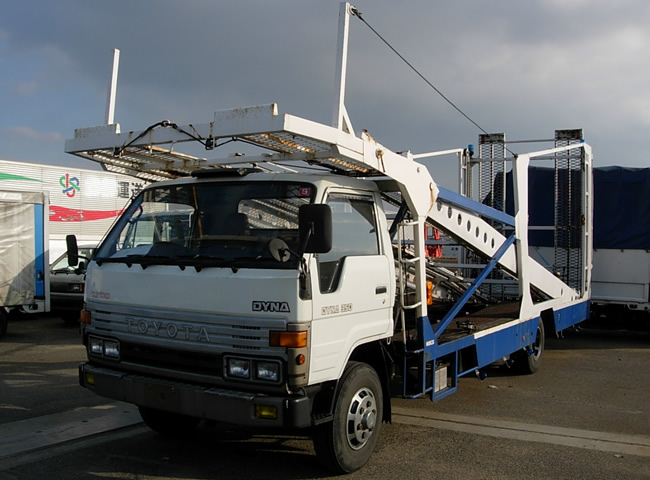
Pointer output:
x,y
483,319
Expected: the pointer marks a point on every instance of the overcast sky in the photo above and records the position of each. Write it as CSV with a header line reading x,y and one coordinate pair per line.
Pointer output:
x,y
524,68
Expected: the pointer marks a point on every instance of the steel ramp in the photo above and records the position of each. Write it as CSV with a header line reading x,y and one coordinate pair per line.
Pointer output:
x,y
465,220
286,138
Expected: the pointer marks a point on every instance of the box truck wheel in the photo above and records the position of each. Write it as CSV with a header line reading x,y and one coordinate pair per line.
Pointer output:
x,y
346,443
4,319
528,362
167,423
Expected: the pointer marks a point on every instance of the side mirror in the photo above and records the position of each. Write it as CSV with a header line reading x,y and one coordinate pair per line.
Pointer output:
x,y
73,250
315,227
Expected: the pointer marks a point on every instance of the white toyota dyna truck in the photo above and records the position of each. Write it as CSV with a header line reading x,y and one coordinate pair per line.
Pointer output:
x,y
293,288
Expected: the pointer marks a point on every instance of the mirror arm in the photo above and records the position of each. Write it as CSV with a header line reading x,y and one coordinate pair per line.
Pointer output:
x,y
305,242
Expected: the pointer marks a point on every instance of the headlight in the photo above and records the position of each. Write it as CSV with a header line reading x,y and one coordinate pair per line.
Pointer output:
x,y
104,347
111,349
238,367
253,369
268,371
95,346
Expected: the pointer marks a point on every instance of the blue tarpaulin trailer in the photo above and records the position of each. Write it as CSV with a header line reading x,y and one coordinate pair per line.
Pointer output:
x,y
621,232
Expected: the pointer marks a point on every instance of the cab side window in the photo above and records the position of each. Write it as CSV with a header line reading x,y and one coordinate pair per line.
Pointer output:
x,y
354,233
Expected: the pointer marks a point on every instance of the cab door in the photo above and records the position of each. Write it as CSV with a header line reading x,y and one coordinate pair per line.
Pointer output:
x,y
353,290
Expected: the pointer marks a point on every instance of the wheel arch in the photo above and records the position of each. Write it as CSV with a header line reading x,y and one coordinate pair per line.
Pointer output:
x,y
548,318
372,354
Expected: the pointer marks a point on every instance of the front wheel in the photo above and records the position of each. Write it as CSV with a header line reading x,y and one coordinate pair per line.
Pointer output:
x,y
346,443
528,362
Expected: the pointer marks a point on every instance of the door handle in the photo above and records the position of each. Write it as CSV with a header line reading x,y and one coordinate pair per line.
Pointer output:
x,y
381,289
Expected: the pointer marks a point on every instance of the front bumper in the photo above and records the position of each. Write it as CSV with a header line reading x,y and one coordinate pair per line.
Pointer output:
x,y
197,401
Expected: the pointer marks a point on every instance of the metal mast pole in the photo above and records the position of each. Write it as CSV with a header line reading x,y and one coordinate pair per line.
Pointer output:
x,y
112,89
340,118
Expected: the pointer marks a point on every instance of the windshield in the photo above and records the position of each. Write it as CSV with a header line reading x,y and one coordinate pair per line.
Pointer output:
x,y
253,224
61,265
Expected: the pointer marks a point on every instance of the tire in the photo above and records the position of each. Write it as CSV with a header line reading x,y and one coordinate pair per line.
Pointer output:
x,y
167,423
528,364
4,320
71,317
346,443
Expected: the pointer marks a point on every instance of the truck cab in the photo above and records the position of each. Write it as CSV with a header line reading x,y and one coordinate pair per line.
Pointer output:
x,y
226,280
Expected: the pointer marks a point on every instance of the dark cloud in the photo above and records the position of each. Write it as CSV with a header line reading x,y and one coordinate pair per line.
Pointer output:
x,y
525,68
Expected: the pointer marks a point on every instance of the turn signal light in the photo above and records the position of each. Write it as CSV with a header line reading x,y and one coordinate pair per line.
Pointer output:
x,y
84,317
288,339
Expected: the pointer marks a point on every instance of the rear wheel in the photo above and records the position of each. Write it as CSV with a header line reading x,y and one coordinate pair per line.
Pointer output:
x,y
529,361
346,443
4,319
168,423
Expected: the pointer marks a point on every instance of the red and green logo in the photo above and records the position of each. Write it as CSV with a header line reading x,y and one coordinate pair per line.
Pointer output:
x,y
69,184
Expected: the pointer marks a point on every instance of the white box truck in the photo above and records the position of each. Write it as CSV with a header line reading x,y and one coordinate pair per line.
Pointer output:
x,y
83,202
24,280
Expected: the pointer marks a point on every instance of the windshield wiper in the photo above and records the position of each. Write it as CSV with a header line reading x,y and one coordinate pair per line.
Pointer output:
x,y
142,260
209,261
146,260
199,261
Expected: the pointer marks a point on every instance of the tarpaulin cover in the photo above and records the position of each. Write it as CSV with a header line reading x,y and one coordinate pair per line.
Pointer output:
x,y
17,250
621,206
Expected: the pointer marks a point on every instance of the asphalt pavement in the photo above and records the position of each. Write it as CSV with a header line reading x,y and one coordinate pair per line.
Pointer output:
x,y
585,414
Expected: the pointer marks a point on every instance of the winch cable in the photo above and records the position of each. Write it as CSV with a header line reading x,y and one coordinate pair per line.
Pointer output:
x,y
358,14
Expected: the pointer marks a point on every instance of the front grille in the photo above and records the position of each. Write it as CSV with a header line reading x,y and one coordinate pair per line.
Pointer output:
x,y
177,360
220,333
